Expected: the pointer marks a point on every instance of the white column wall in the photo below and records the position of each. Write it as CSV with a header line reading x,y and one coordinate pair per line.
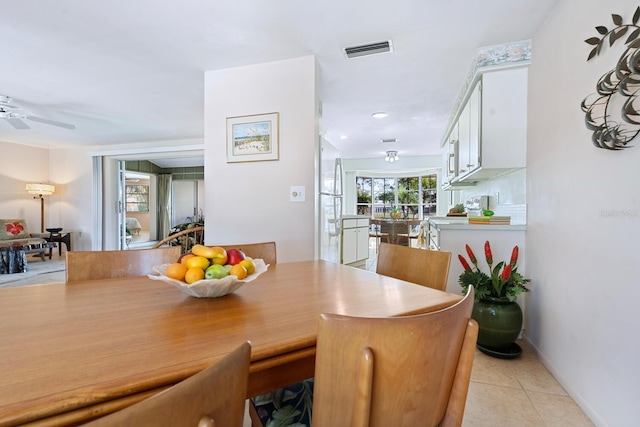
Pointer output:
x,y
583,262
250,200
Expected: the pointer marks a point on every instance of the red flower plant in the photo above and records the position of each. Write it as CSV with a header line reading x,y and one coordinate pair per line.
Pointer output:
x,y
472,256
507,283
14,228
464,263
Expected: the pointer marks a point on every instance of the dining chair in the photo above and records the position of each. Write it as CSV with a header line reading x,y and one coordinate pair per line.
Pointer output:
x,y
376,232
420,266
265,251
409,371
412,232
214,397
93,265
390,228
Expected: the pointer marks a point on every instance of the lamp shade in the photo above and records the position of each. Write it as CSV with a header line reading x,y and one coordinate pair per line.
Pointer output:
x,y
41,189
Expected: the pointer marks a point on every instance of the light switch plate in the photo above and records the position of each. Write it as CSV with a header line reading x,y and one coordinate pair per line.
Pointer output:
x,y
297,193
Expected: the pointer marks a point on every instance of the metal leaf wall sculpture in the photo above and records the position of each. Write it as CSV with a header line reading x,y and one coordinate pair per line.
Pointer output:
x,y
613,113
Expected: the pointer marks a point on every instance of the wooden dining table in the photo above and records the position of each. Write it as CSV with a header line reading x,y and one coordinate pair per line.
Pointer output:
x,y
71,353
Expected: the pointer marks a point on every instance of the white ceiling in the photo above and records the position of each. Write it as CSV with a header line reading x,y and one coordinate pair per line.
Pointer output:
x,y
126,71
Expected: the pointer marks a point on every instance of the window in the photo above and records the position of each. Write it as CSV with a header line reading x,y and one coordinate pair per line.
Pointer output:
x,y
137,198
413,196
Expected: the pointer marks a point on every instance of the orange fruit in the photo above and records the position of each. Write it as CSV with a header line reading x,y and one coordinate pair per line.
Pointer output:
x,y
249,265
176,271
185,257
197,261
193,275
219,255
239,271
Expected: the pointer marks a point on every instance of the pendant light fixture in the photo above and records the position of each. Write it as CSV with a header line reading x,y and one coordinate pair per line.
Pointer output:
x,y
392,156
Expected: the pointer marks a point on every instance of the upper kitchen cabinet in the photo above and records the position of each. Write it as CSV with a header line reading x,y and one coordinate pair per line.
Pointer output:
x,y
503,129
450,157
487,137
469,134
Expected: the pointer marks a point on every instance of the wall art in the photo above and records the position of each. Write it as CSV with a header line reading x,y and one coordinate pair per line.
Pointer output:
x,y
613,112
253,138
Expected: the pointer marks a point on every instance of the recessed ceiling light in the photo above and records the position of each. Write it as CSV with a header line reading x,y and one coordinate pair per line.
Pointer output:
x,y
343,137
379,115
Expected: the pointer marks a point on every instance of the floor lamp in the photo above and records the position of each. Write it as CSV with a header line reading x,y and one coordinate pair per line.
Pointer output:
x,y
41,190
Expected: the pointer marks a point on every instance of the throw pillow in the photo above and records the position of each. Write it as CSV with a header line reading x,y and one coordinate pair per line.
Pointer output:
x,y
11,229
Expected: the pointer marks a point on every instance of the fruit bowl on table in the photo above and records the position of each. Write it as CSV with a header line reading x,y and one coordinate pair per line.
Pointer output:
x,y
209,288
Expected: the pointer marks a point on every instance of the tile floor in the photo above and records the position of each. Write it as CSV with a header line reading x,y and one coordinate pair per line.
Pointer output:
x,y
516,392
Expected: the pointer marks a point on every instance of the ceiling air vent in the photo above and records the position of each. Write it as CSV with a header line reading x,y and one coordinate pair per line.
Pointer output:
x,y
386,141
369,49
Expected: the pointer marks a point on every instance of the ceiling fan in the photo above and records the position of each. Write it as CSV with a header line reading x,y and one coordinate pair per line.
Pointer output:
x,y
16,115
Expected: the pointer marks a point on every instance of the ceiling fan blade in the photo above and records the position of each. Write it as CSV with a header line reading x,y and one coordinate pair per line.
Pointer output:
x,y
6,101
17,123
51,122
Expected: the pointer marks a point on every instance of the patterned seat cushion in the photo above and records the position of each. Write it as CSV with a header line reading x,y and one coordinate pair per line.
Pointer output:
x,y
289,406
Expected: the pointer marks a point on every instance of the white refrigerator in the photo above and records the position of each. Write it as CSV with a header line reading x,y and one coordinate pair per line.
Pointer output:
x,y
330,205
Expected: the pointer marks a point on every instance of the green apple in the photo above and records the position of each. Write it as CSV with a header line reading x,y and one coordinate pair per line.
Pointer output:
x,y
215,271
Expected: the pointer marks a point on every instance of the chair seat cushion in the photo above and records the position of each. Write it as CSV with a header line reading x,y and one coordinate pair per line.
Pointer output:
x,y
290,405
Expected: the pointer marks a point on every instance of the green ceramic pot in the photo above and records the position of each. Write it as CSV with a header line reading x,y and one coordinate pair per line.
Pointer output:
x,y
499,322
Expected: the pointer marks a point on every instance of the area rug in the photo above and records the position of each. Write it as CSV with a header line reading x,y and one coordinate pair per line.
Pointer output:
x,y
35,269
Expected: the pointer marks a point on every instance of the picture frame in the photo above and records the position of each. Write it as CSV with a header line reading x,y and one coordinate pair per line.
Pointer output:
x,y
253,138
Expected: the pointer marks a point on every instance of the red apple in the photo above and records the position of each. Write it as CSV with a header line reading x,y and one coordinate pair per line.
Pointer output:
x,y
234,256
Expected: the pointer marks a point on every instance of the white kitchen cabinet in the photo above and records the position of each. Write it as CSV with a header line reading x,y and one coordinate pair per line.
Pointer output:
x,y
354,239
503,125
450,161
469,149
464,131
490,130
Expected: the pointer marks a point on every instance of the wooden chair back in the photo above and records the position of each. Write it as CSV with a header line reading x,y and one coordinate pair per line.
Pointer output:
x,y
213,397
184,239
420,266
265,251
409,371
93,265
411,233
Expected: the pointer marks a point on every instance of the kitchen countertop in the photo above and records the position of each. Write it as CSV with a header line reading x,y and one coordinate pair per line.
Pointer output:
x,y
461,223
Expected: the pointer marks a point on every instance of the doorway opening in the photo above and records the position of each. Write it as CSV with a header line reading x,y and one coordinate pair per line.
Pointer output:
x,y
163,167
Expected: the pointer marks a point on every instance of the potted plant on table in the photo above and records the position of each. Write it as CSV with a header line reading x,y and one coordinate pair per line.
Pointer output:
x,y
495,308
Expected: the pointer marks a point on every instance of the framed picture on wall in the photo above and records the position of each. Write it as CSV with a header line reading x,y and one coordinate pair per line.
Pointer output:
x,y
253,138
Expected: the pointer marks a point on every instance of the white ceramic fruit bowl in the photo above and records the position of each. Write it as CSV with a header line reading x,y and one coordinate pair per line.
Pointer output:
x,y
209,288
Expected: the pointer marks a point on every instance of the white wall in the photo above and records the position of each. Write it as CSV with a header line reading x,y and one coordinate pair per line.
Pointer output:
x,y
71,172
583,261
250,201
20,165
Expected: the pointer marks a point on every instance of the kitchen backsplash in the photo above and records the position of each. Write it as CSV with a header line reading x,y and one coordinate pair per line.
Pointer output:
x,y
507,195
518,213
